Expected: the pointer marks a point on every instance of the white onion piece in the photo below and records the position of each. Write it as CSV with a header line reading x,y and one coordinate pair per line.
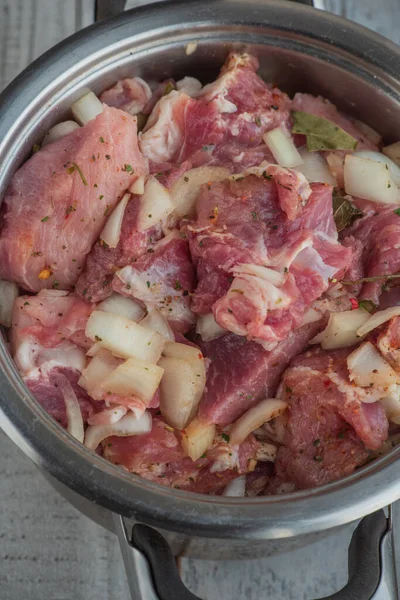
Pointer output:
x,y
196,360
197,438
137,186
342,329
311,316
369,179
134,378
391,404
263,272
283,148
108,416
8,295
370,133
99,367
367,368
72,406
266,452
377,319
393,152
190,48
112,229
126,426
394,169
189,85
156,321
185,190
255,417
236,488
123,306
178,391
208,327
315,167
155,204
123,337
59,131
86,108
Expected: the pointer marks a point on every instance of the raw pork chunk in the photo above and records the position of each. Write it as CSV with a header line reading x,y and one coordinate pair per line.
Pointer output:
x,y
57,202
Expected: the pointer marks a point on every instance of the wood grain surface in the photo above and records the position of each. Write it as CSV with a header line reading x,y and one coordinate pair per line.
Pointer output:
x,y
48,550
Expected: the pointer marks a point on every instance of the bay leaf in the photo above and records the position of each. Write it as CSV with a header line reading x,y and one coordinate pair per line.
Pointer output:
x,y
321,134
344,211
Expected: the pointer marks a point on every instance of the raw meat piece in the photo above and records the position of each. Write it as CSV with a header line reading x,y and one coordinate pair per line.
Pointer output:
x,y
95,283
329,431
242,372
388,343
130,95
163,280
53,210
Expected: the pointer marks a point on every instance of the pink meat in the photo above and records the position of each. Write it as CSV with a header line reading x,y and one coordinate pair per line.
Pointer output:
x,y
389,342
235,110
242,372
45,388
163,280
378,234
130,95
95,282
158,456
54,207
328,432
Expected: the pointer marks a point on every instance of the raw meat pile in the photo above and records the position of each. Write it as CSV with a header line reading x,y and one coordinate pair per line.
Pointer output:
x,y
210,303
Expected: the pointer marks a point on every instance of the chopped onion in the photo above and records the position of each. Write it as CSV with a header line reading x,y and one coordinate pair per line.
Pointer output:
x,y
137,186
391,404
86,108
126,426
156,321
266,452
155,204
197,438
190,48
108,416
208,327
367,368
255,417
185,190
59,131
311,316
370,133
8,295
342,329
72,406
100,366
112,229
134,378
123,337
236,487
195,358
393,152
394,169
263,272
377,319
315,167
283,148
369,179
123,306
177,391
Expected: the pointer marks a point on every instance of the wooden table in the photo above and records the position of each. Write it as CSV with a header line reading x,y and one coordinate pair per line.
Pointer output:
x,y
48,550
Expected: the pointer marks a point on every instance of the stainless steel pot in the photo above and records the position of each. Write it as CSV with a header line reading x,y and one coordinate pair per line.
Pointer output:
x,y
300,48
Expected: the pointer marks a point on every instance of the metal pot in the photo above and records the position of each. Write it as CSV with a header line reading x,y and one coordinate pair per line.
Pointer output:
x,y
300,48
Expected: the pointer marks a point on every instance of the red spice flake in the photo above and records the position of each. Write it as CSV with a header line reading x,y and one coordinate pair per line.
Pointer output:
x,y
354,303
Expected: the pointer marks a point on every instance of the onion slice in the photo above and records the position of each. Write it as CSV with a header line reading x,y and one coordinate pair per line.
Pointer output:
x,y
208,327
197,438
86,108
283,148
126,426
255,417
8,295
314,167
156,321
369,179
155,204
59,131
367,368
236,487
377,319
185,190
123,306
393,152
394,169
134,378
342,330
112,229
391,404
72,406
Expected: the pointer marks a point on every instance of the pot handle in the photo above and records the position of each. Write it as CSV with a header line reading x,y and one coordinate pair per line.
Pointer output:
x,y
153,574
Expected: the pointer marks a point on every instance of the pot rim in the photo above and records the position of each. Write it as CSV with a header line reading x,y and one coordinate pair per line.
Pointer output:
x,y
23,419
